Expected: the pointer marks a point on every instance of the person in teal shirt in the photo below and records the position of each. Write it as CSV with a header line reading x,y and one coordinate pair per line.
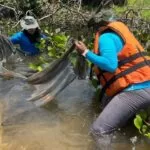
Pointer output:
x,y
28,38
120,108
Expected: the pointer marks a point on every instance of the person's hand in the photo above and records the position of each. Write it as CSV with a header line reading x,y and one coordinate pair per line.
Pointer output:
x,y
80,47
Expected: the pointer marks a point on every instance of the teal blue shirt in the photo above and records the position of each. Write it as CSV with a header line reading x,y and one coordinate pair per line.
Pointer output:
x,y
110,44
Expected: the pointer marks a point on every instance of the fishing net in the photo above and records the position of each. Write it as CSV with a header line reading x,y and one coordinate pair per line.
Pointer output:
x,y
23,89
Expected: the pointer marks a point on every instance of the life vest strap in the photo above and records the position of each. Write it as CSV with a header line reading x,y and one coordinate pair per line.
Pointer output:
x,y
123,73
131,58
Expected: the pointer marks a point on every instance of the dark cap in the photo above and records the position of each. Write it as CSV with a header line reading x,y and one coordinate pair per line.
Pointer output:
x,y
102,16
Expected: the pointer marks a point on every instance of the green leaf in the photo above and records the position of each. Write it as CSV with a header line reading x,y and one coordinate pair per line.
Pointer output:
x,y
138,122
52,53
39,68
46,31
32,66
42,59
60,38
95,83
148,135
43,41
49,48
61,46
144,129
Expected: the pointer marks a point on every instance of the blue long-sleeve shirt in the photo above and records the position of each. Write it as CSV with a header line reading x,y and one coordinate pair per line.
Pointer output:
x,y
110,44
25,44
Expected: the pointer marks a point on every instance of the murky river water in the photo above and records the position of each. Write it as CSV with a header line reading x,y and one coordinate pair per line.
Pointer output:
x,y
61,125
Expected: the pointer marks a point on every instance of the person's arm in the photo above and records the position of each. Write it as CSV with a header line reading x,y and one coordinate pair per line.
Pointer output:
x,y
15,38
107,60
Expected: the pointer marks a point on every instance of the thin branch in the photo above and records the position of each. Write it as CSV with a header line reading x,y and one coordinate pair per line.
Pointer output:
x,y
49,15
16,24
63,5
146,8
80,3
102,4
9,7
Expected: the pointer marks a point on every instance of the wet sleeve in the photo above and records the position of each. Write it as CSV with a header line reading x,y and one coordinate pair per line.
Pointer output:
x,y
107,60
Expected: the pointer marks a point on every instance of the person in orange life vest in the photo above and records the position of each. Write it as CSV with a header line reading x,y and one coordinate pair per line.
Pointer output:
x,y
122,68
28,37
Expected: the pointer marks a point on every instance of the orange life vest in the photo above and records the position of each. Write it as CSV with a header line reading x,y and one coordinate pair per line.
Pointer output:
x,y
133,65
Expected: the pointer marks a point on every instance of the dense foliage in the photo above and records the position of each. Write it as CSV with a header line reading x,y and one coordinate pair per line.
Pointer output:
x,y
53,47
